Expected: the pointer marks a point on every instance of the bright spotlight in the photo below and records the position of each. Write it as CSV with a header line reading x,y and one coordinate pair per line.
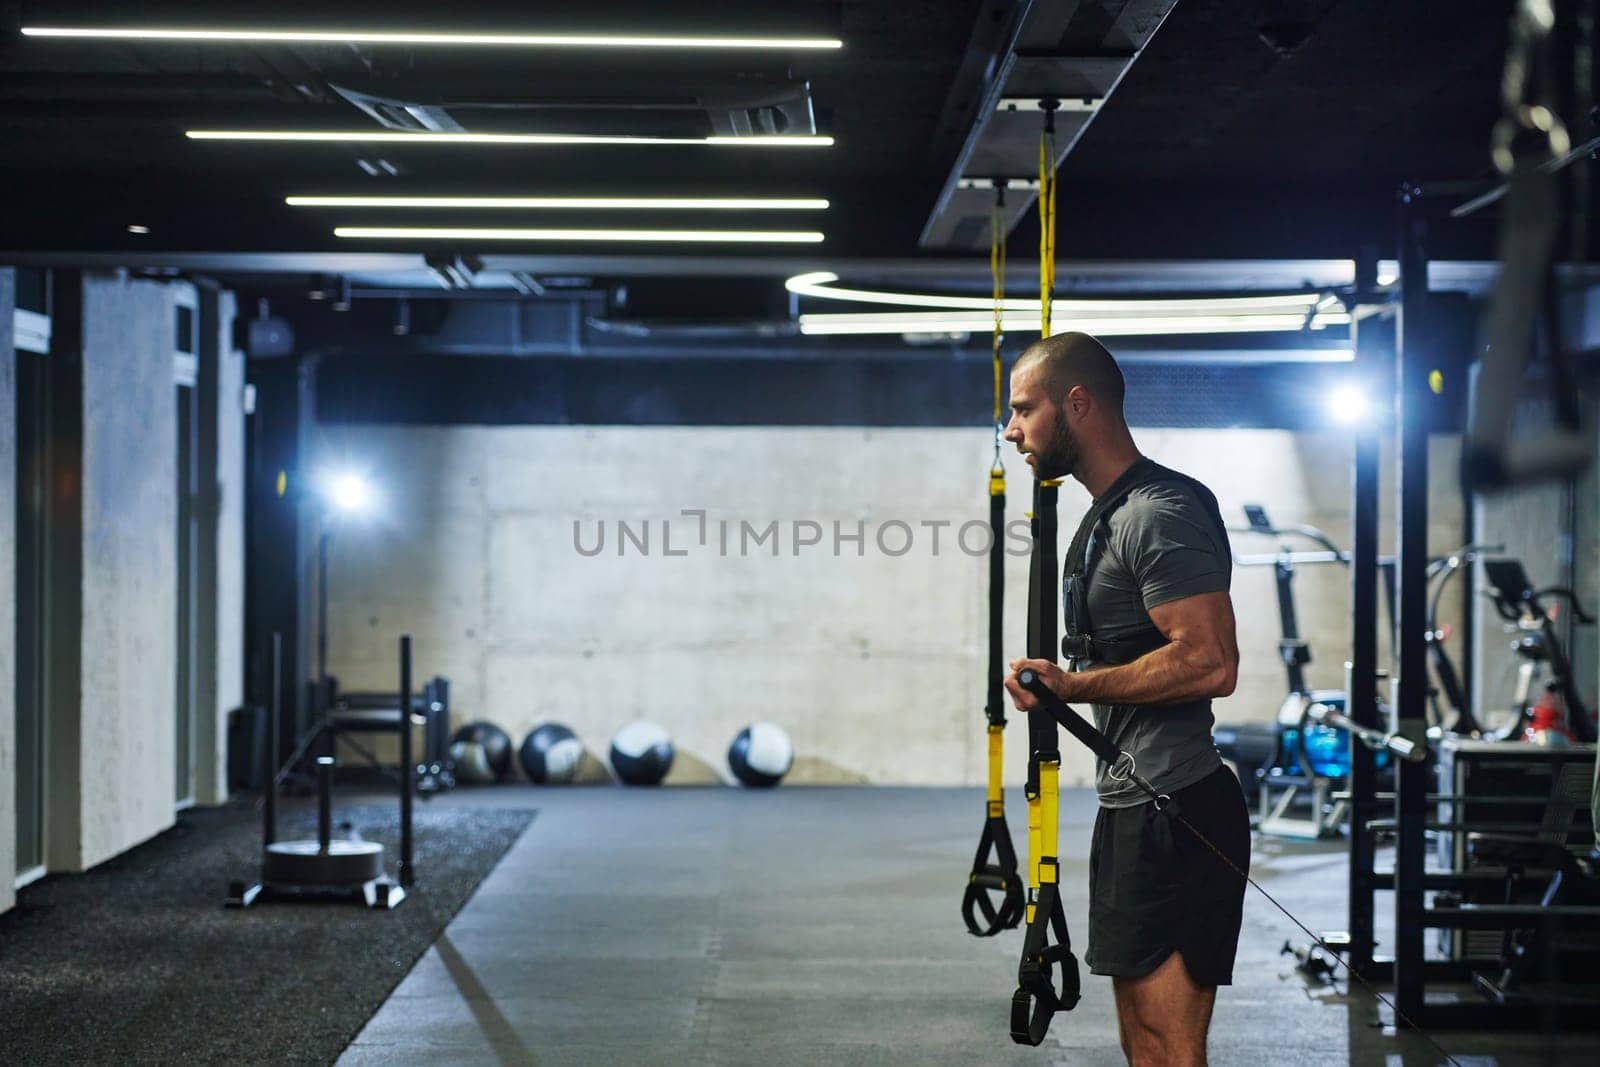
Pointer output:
x,y
349,494
1347,405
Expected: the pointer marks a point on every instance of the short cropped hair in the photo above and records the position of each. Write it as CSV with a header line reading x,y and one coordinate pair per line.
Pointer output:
x,y
1070,359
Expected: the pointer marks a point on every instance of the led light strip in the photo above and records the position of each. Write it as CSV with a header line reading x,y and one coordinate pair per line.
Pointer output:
x,y
469,234
1114,326
794,141
492,40
562,203
819,284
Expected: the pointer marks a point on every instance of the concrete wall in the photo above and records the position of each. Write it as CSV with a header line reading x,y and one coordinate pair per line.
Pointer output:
x,y
1527,521
874,663
112,580
1531,521
8,591
126,737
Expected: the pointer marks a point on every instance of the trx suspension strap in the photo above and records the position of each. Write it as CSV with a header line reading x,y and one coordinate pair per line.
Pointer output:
x,y
1046,943
994,868
1038,998
1047,215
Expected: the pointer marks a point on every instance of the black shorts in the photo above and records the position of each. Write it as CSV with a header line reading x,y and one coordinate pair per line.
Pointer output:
x,y
1155,889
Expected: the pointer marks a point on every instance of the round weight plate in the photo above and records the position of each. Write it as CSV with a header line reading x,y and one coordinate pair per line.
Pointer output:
x,y
303,863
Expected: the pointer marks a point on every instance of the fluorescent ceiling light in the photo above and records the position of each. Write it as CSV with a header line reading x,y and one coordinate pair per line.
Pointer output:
x,y
819,284
1145,325
513,40
1034,103
991,183
396,136
604,203
497,234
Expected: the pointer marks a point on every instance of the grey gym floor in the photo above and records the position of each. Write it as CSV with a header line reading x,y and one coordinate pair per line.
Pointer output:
x,y
820,926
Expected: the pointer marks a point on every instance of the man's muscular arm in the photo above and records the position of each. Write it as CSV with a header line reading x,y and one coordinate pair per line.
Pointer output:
x,y
1200,660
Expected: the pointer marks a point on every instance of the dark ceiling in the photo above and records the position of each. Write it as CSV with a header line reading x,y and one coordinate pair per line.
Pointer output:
x,y
1247,128
101,124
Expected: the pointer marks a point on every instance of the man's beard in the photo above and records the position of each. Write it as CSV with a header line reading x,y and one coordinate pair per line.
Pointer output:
x,y
1057,457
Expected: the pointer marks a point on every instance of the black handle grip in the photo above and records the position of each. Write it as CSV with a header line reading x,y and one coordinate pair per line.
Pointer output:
x,y
1074,723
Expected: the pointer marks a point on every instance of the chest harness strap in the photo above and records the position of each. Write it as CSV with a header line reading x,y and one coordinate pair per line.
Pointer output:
x,y
1081,644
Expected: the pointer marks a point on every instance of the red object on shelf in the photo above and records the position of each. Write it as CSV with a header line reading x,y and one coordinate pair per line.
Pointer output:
x,y
1549,725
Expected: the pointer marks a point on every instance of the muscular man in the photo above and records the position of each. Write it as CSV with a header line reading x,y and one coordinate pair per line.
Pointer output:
x,y
1151,639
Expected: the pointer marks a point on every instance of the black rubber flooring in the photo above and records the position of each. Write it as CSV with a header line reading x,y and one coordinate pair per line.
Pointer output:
x,y
137,961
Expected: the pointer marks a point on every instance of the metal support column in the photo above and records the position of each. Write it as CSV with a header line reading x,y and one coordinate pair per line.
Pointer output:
x,y
1412,404
407,764
1372,340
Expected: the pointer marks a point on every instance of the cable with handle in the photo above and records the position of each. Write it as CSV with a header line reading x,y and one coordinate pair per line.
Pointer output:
x,y
1123,769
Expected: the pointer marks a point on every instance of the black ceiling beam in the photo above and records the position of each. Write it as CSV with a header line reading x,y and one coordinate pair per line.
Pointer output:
x,y
1053,49
171,88
89,211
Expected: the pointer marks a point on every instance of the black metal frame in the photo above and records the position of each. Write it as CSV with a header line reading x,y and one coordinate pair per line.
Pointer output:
x,y
1411,367
378,712
1361,689
1409,969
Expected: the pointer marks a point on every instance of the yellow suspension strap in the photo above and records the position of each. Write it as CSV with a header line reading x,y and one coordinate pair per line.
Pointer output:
x,y
1047,214
1046,944
994,868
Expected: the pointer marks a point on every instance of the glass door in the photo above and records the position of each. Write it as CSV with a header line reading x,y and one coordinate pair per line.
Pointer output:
x,y
32,481
184,699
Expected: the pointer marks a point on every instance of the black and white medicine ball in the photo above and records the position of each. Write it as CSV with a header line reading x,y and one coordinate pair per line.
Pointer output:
x,y
482,753
641,754
550,754
761,755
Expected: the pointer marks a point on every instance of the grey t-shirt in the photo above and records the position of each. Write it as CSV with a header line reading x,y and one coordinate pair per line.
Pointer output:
x,y
1158,546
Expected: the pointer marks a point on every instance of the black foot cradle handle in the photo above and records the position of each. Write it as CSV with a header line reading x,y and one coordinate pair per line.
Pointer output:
x,y
1040,993
996,874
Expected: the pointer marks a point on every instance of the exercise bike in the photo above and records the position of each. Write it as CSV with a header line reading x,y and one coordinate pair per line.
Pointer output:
x,y
1296,764
1539,647
1292,763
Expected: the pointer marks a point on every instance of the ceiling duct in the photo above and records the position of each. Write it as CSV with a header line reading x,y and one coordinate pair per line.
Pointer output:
x,y
779,110
454,272
732,107
400,114
1061,50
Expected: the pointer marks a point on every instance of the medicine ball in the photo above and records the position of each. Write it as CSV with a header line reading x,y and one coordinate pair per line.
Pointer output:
x,y
482,753
761,754
550,754
641,754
